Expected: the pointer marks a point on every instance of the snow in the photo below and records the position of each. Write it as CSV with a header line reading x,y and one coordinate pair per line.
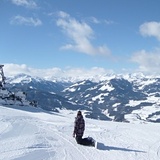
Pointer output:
x,y
99,97
32,134
19,79
146,82
106,87
134,103
72,89
145,111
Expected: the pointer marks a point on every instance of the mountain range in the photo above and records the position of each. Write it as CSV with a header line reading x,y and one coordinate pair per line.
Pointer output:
x,y
129,98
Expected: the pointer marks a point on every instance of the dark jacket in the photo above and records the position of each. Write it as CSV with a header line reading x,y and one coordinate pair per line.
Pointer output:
x,y
79,126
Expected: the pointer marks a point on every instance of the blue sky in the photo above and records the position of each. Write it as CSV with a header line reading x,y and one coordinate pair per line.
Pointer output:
x,y
109,35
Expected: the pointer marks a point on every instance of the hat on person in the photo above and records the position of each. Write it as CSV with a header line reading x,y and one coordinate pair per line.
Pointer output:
x,y
79,113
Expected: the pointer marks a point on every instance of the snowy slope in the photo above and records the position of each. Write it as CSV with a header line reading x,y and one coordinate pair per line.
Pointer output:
x,y
31,134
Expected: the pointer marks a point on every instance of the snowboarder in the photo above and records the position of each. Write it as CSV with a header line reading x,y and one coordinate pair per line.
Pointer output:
x,y
79,127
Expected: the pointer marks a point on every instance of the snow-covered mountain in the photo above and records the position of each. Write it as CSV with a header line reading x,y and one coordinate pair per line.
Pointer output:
x,y
118,98
28,133
115,97
45,93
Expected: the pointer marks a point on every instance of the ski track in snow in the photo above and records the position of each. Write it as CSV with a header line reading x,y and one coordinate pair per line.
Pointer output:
x,y
26,135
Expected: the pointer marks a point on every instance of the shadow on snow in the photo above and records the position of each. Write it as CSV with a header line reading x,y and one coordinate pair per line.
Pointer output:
x,y
101,146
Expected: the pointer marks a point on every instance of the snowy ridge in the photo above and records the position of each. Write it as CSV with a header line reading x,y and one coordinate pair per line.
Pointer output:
x,y
29,134
130,97
120,98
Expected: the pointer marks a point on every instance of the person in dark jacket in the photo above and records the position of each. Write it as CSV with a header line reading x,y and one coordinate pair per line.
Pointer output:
x,y
79,127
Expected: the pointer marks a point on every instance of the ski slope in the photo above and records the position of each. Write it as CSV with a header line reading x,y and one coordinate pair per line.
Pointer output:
x,y
31,134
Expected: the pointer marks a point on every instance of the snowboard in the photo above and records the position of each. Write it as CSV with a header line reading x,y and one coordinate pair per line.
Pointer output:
x,y
94,143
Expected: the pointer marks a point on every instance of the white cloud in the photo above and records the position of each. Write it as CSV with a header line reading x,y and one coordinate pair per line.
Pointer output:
x,y
109,22
25,3
148,62
150,29
95,20
81,34
95,73
30,21
14,69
